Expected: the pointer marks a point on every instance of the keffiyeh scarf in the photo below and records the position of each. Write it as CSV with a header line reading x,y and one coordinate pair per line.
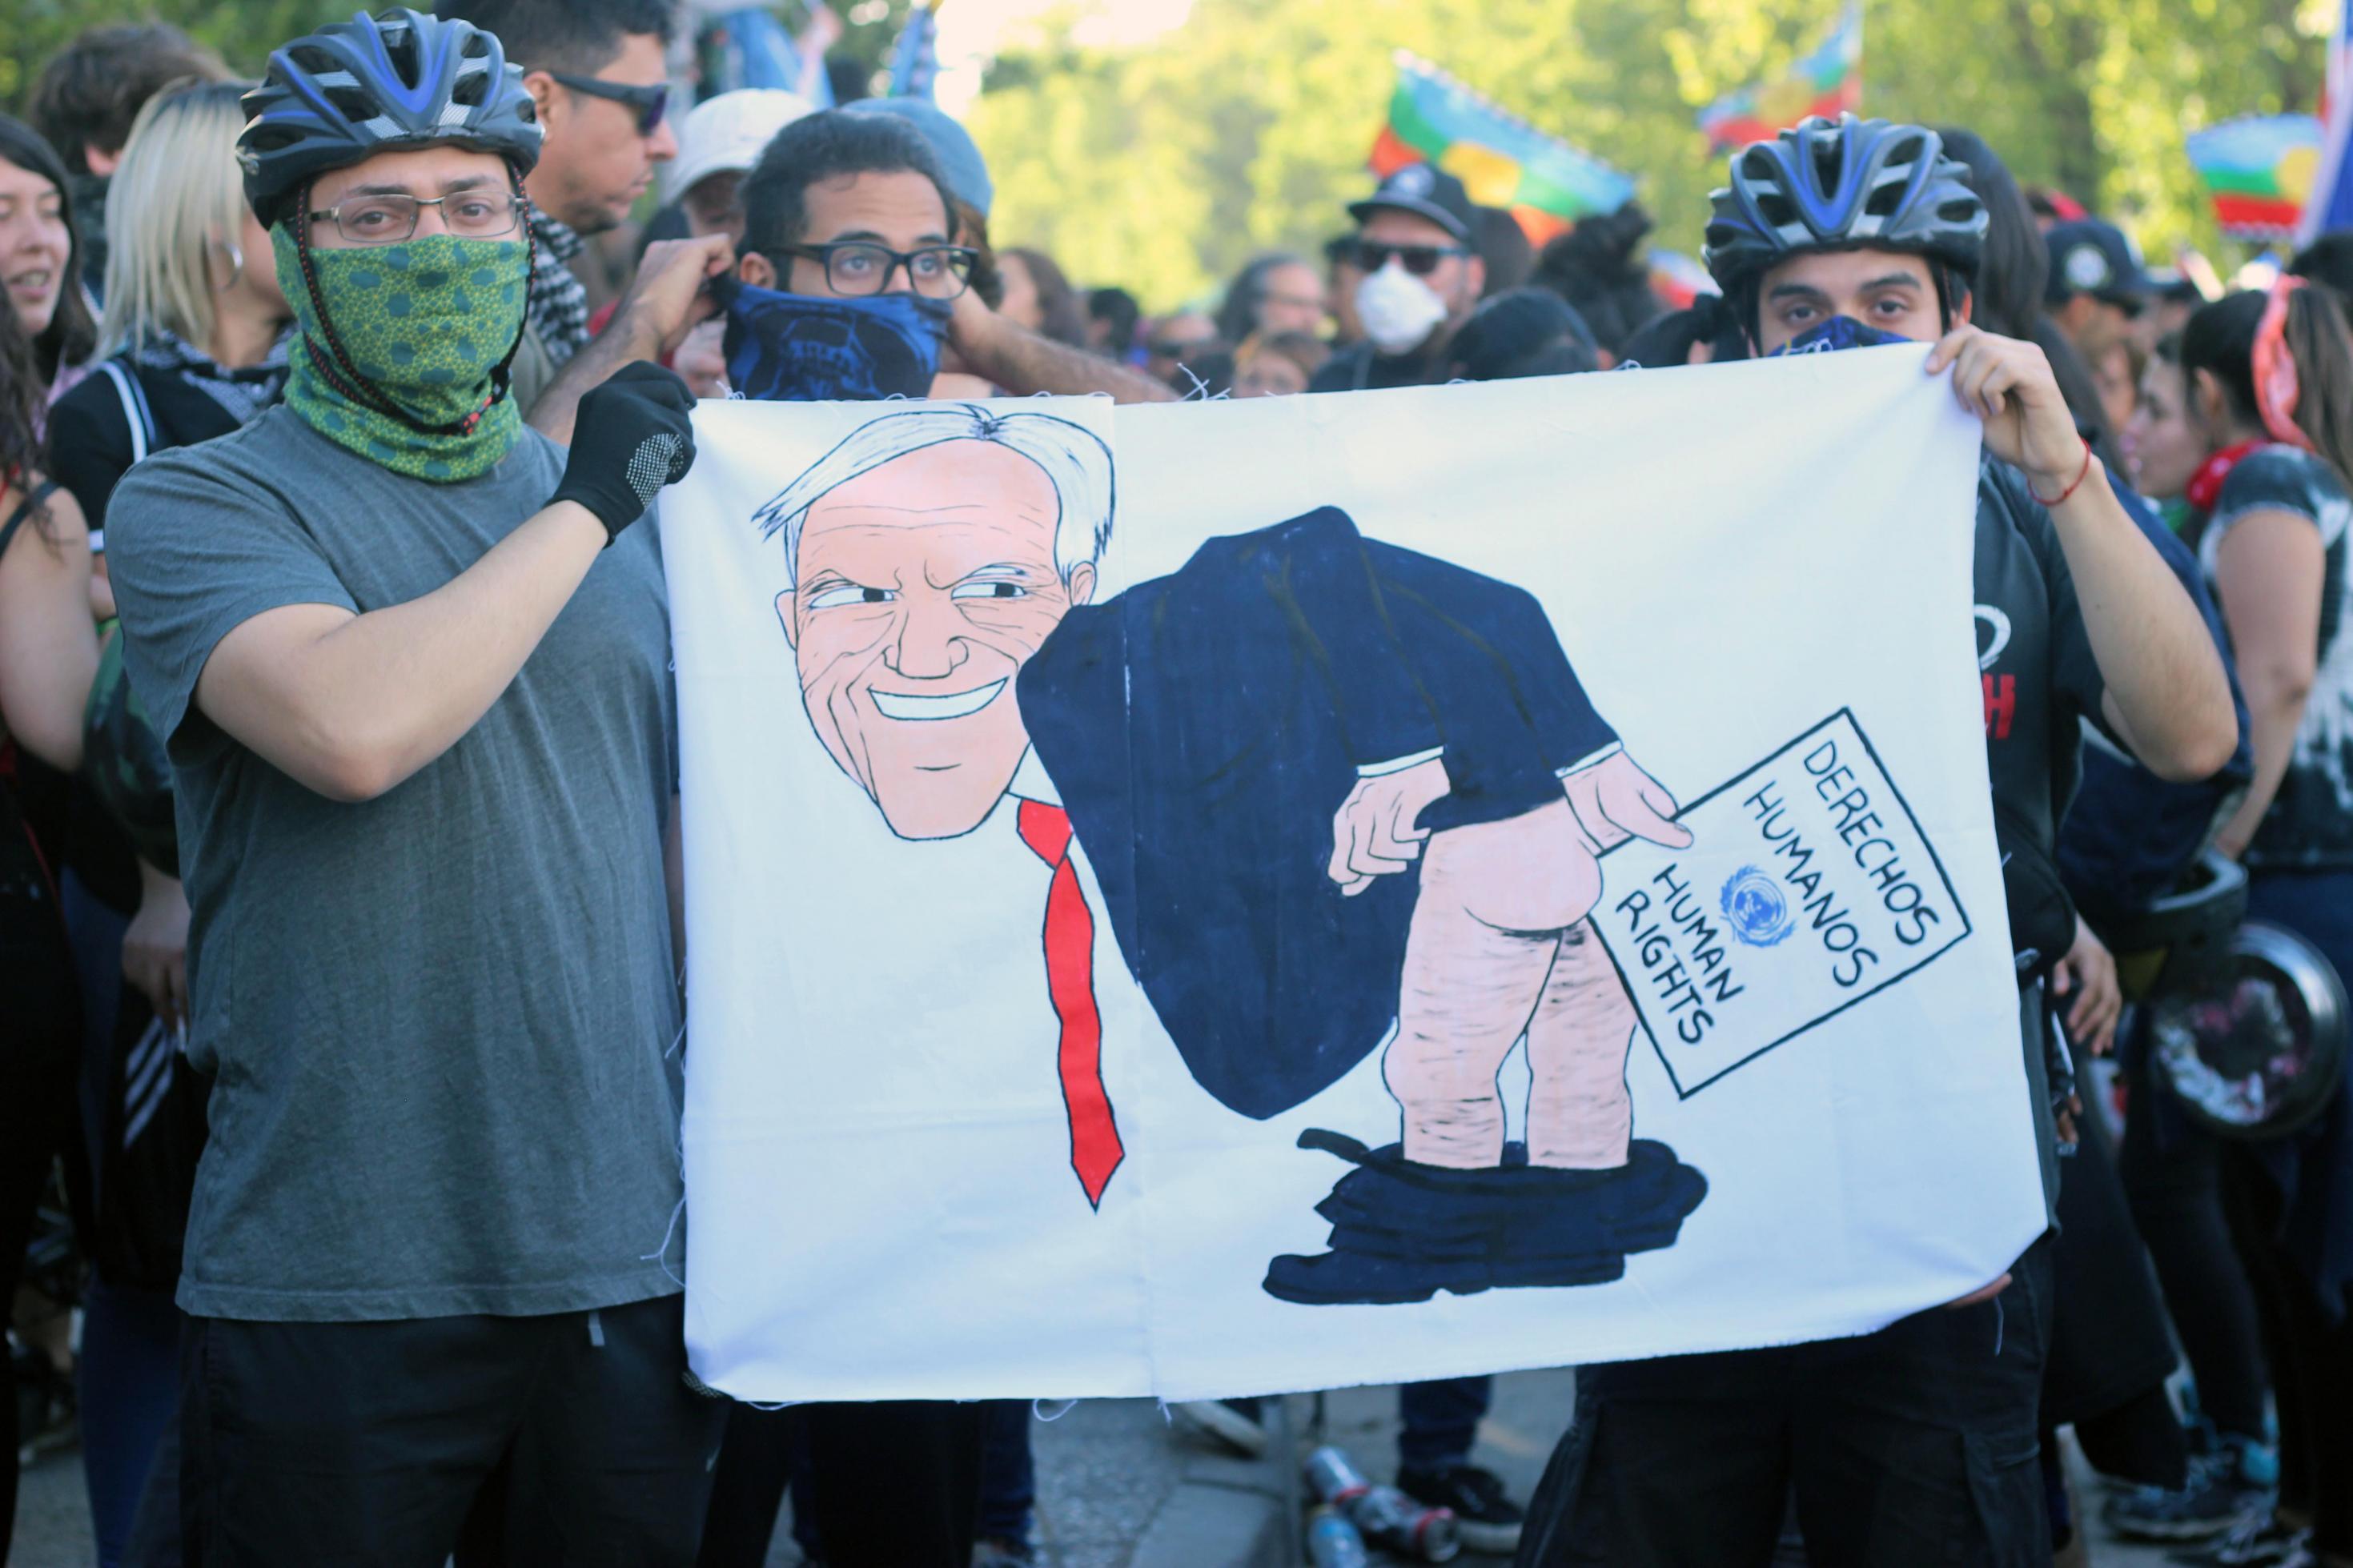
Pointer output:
x,y
558,302
242,392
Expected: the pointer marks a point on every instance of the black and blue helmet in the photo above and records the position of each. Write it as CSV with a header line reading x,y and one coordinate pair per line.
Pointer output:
x,y
1844,185
376,84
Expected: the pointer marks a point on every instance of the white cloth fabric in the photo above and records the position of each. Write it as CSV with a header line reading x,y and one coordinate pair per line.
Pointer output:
x,y
881,1198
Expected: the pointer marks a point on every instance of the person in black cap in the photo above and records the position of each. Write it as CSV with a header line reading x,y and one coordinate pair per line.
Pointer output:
x,y
1523,332
1422,277
2096,288
2095,294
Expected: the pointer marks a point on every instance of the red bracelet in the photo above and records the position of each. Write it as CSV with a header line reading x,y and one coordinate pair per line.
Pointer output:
x,y
2081,474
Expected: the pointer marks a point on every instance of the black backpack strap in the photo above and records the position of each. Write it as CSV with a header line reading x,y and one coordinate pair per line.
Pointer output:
x,y
24,509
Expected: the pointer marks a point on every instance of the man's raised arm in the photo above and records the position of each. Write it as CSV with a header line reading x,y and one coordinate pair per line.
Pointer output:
x,y
351,705
665,302
2166,694
1024,363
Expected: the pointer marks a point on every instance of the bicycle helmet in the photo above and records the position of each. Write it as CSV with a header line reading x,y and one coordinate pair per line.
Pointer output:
x,y
1844,183
376,84
2180,941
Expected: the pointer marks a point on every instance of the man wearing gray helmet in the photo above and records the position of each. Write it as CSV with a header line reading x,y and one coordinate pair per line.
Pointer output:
x,y
1917,1443
410,662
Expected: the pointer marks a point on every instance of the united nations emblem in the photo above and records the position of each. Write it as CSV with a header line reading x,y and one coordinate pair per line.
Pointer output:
x,y
1755,909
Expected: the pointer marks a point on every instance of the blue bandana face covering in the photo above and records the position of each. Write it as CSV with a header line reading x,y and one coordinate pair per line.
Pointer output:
x,y
800,348
1838,333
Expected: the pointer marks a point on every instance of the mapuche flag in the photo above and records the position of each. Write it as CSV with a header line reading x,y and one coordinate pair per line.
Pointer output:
x,y
1828,82
2260,171
1501,159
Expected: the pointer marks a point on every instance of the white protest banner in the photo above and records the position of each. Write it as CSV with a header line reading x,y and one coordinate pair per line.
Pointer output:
x,y
1184,900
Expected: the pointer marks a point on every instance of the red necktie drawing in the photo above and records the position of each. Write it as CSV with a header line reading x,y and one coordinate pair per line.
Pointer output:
x,y
1096,1149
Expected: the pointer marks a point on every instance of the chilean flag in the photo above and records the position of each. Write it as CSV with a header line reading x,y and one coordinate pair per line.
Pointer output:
x,y
2331,206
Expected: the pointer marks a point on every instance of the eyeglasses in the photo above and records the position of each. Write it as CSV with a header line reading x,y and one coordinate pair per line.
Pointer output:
x,y
390,217
857,267
648,101
1421,260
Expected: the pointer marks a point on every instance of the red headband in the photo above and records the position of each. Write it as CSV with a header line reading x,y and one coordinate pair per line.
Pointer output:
x,y
2278,390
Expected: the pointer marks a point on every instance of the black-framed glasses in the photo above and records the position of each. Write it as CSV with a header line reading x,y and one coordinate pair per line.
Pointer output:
x,y
1421,260
857,266
650,103
390,216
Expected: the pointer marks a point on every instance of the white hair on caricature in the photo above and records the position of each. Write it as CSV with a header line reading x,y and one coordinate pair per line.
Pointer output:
x,y
1074,458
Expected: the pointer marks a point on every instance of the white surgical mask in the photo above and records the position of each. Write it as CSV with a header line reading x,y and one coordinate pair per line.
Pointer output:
x,y
1398,310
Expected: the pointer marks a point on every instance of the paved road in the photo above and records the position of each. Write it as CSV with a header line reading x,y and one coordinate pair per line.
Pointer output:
x,y
1118,1487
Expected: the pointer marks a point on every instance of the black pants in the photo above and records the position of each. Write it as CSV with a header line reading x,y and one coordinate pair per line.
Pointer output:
x,y
367,1444
894,1484
1438,1421
2140,1440
39,1054
2109,1352
1915,1444
1009,1472
2172,1171
2311,1352
758,1459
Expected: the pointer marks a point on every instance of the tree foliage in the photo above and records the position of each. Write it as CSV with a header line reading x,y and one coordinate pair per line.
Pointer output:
x,y
1163,167
242,33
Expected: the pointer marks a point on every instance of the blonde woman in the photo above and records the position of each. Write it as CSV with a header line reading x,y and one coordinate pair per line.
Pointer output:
x,y
194,337
194,328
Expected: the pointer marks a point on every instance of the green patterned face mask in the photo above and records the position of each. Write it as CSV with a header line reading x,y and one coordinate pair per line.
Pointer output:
x,y
424,322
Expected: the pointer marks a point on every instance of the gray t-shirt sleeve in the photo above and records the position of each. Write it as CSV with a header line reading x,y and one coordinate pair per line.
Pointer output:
x,y
194,553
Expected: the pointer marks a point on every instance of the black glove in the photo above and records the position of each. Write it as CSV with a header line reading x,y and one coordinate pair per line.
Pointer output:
x,y
633,435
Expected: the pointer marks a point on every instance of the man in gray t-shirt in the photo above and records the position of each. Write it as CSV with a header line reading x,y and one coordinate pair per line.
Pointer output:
x,y
1916,1442
411,662
436,1018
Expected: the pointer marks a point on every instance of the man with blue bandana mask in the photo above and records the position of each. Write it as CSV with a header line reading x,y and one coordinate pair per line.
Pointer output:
x,y
1918,1441
410,661
852,279
853,283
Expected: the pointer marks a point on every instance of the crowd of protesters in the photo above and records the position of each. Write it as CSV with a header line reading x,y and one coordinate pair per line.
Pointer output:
x,y
334,695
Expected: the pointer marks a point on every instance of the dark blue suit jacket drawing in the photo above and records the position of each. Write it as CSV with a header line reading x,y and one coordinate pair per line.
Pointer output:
x,y
1203,728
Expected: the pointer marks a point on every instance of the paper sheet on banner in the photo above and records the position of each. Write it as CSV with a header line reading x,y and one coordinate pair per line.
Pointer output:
x,y
1810,889
1759,576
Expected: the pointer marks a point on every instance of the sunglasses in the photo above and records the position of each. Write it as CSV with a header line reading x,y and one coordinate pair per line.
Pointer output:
x,y
1421,260
650,103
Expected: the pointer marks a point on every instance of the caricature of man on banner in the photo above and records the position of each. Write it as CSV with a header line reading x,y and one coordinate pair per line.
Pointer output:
x,y
1337,795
